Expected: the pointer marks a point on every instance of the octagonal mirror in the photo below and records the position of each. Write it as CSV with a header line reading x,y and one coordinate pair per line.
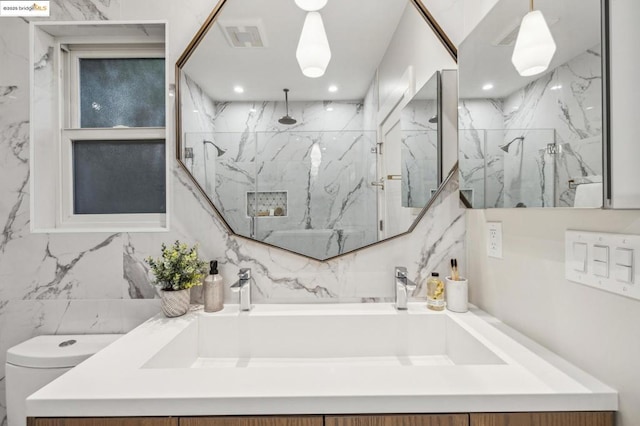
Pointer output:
x,y
315,131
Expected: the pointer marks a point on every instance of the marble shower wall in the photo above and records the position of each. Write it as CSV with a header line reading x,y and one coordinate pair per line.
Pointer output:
x,y
419,154
322,164
99,283
481,161
563,107
568,100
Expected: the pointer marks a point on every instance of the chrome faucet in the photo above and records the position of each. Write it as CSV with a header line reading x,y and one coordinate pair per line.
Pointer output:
x,y
404,286
243,287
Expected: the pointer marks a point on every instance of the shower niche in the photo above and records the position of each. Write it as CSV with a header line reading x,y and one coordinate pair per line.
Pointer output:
x,y
267,204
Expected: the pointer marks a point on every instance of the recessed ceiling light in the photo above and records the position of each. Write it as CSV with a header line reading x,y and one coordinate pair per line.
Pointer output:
x,y
333,88
329,109
195,110
253,110
238,89
556,87
487,86
589,108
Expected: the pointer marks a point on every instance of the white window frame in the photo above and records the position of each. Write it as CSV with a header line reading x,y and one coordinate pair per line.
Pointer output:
x,y
66,215
71,55
55,124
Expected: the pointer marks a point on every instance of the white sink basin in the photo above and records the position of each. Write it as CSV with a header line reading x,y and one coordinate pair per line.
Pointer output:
x,y
320,359
265,338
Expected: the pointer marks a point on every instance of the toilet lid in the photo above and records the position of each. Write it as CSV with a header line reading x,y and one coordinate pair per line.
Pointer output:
x,y
58,351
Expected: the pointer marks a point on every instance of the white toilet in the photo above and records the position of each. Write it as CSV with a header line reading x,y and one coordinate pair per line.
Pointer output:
x,y
38,361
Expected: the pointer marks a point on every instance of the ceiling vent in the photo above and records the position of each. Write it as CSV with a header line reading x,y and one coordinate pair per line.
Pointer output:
x,y
244,34
509,36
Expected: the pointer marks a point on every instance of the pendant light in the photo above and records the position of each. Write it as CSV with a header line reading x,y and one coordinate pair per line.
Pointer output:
x,y
534,46
311,5
313,52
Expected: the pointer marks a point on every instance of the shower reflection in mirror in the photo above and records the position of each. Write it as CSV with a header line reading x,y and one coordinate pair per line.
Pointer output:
x,y
532,141
307,164
420,141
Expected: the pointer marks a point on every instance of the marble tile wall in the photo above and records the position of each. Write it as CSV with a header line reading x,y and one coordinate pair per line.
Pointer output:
x,y
481,161
323,162
563,107
569,100
419,155
99,283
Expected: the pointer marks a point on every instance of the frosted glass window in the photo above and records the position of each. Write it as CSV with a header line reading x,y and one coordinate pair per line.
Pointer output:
x,y
122,92
119,177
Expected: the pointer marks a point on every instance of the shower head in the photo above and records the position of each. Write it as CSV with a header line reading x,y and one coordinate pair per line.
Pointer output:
x,y
506,146
434,119
287,119
219,150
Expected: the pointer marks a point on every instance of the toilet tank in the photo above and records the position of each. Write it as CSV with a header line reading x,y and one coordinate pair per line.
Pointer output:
x,y
40,360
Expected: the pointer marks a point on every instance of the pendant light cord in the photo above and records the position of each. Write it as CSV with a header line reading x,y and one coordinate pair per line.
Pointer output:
x,y
531,6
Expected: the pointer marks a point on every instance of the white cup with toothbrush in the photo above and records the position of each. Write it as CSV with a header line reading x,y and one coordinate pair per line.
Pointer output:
x,y
457,290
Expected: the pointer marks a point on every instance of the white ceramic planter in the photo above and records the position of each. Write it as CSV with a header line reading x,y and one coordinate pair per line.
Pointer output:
x,y
175,303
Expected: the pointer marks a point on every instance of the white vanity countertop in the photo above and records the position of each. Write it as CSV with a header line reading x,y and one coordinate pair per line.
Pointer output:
x,y
112,383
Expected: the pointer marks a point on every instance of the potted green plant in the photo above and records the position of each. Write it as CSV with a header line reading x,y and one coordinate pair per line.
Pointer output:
x,y
176,271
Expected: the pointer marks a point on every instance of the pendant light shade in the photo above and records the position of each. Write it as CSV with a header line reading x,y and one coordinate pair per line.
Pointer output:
x,y
534,46
313,52
311,5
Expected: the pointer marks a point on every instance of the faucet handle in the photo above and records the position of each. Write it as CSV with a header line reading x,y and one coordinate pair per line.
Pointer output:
x,y
244,274
401,272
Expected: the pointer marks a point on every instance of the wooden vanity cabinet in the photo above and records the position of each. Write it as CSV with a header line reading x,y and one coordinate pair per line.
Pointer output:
x,y
399,420
606,418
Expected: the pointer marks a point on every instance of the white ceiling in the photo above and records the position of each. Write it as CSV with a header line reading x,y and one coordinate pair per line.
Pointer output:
x,y
577,29
359,32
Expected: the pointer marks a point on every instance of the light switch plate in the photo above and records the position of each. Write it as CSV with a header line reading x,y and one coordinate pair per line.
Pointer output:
x,y
494,239
605,253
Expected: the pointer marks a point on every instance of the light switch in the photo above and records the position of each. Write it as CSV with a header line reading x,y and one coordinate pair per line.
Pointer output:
x,y
601,269
601,253
579,261
624,257
624,274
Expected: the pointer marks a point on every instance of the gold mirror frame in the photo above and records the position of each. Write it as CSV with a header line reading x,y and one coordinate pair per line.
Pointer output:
x,y
195,42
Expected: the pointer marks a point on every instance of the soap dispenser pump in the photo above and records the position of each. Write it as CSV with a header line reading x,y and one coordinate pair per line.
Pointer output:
x,y
213,289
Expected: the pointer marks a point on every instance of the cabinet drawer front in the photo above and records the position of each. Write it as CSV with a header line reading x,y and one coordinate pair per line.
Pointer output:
x,y
544,419
399,420
252,421
105,421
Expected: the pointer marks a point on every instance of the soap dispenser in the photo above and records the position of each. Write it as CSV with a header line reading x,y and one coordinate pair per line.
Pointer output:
x,y
213,289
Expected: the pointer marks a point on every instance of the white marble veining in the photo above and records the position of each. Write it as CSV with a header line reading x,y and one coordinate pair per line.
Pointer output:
x,y
481,162
99,283
563,107
323,163
419,153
